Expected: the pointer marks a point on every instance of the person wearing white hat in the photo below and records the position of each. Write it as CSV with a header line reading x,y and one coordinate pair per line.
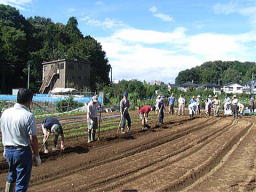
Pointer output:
x,y
181,104
92,119
216,106
235,108
208,106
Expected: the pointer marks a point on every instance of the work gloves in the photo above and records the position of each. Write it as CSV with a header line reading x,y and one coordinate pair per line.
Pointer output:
x,y
37,160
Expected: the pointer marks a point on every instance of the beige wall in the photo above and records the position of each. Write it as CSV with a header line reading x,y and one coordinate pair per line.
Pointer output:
x,y
72,74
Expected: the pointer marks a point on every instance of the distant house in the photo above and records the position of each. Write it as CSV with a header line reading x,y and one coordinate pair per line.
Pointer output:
x,y
212,86
188,85
156,82
233,88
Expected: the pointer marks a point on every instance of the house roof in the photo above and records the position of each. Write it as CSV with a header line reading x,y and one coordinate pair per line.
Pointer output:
x,y
189,84
229,84
211,85
62,60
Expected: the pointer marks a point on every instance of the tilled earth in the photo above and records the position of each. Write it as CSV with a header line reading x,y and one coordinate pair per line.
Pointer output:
x,y
202,154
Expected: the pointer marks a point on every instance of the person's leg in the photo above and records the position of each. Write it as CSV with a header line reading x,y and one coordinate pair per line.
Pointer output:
x,y
172,109
123,123
55,142
129,122
89,125
179,109
24,168
11,175
45,138
95,127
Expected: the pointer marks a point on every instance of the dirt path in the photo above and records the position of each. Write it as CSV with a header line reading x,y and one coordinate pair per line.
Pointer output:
x,y
203,154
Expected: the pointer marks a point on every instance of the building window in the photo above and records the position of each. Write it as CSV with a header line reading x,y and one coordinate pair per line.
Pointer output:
x,y
230,88
239,88
61,66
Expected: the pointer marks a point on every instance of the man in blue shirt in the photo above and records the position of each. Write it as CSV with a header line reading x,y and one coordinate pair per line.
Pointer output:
x,y
171,101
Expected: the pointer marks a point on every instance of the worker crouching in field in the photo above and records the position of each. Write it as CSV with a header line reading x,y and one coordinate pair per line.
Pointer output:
x,y
192,107
124,110
143,113
92,119
52,125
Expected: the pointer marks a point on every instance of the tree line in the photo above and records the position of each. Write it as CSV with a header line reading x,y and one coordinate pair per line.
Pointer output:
x,y
33,40
218,72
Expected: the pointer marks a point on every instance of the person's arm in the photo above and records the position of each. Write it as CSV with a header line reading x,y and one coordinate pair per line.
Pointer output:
x,y
34,144
32,132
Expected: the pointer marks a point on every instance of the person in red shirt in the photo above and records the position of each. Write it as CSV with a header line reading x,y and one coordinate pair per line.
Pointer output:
x,y
143,113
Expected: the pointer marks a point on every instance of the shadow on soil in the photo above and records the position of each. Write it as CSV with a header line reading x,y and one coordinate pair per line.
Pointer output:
x,y
68,150
122,137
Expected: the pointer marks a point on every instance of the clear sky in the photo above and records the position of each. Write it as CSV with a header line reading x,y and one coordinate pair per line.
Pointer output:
x,y
155,39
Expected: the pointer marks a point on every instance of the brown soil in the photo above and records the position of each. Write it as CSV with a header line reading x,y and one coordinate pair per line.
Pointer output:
x,y
202,154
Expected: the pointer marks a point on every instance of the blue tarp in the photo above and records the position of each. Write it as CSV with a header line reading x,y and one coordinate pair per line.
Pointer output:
x,y
48,98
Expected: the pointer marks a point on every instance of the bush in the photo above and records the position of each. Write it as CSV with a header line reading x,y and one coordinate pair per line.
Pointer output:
x,y
67,105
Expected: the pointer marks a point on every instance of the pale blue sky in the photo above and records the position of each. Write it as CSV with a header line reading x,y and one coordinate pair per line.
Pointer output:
x,y
155,39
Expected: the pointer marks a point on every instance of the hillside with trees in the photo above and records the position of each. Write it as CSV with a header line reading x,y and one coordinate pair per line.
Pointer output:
x,y
31,41
219,72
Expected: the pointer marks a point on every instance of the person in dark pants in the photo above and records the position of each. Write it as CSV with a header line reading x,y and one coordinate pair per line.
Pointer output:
x,y
161,112
52,125
125,116
171,101
252,104
18,127
92,118
235,107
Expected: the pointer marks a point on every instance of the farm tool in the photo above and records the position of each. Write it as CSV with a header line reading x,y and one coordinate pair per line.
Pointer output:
x,y
99,124
121,120
44,141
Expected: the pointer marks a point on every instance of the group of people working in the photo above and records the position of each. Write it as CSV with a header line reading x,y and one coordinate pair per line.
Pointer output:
x,y
19,133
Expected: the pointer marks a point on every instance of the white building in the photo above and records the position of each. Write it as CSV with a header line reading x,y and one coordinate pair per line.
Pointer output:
x,y
233,88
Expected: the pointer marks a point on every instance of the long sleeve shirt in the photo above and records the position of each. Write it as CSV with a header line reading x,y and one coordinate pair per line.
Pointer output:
x,y
124,103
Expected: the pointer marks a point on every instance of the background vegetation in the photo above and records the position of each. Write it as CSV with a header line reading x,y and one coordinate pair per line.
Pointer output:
x,y
219,72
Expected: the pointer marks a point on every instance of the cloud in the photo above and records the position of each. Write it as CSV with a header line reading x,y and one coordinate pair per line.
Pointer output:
x,y
154,55
99,3
107,23
162,16
245,8
153,9
19,4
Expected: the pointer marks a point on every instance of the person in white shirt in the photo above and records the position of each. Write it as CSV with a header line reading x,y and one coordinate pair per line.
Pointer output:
x,y
234,104
92,118
216,106
208,106
19,135
181,104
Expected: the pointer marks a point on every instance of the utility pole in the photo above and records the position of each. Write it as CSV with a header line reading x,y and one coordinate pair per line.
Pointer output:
x,y
111,75
28,74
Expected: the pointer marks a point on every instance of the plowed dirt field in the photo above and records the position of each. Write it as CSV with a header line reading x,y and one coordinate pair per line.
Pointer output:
x,y
201,154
